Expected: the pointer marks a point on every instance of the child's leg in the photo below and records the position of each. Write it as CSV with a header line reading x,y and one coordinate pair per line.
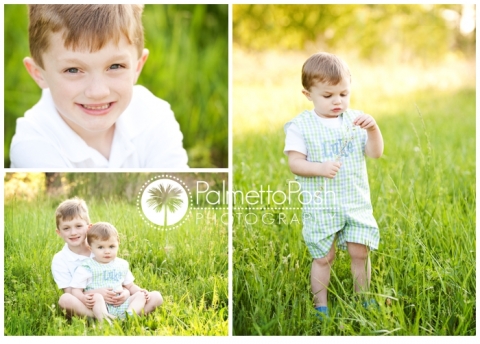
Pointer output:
x,y
320,277
100,308
361,269
74,306
136,302
155,300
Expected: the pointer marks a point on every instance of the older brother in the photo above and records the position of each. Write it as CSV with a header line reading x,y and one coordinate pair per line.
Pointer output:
x,y
87,59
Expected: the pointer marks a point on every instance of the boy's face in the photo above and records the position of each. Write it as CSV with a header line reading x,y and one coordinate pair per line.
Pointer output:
x,y
73,231
329,100
105,250
90,89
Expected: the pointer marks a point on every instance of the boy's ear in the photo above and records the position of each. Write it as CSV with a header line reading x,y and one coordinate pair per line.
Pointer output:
x,y
35,72
307,94
141,61
89,226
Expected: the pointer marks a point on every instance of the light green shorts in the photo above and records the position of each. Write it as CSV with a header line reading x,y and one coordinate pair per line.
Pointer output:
x,y
118,311
356,227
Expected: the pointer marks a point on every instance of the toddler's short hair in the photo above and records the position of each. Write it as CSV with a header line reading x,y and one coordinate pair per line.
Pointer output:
x,y
71,208
324,68
101,231
84,26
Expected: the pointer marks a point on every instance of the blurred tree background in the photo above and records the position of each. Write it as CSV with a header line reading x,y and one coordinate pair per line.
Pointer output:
x,y
399,56
375,32
187,67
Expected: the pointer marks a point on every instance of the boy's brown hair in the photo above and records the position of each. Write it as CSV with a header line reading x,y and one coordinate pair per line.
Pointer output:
x,y
101,231
325,68
71,208
84,26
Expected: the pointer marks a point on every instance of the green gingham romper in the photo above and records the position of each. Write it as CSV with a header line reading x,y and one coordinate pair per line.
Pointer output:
x,y
109,275
338,207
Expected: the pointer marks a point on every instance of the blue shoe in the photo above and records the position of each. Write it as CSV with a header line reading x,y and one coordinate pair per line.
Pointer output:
x,y
321,312
371,304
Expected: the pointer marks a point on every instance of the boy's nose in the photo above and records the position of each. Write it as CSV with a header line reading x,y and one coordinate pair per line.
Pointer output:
x,y
97,89
336,100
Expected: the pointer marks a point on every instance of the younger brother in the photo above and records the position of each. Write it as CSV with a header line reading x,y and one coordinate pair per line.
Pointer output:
x,y
326,150
106,270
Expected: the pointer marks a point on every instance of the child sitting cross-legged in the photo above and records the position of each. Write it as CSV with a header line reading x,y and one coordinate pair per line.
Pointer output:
x,y
105,270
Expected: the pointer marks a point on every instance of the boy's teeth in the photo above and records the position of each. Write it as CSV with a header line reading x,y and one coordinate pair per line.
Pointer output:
x,y
103,107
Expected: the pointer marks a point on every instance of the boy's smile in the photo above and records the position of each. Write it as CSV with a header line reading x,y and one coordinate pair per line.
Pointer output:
x,y
329,100
90,89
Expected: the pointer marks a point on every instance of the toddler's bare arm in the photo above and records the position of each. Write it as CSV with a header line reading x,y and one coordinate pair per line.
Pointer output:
x,y
300,166
374,146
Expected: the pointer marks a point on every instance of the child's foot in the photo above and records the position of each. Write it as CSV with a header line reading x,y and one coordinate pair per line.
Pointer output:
x,y
321,312
108,318
371,304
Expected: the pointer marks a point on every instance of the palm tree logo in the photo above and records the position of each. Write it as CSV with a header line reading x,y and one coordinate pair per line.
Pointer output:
x,y
166,199
164,202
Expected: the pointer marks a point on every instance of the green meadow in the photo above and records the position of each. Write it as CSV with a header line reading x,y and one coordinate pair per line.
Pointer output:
x,y
187,67
422,191
187,265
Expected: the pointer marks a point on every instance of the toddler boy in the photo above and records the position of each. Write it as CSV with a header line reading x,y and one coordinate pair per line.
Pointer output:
x,y
106,270
326,150
86,59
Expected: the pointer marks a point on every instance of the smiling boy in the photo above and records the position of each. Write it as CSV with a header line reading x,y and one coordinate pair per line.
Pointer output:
x,y
87,59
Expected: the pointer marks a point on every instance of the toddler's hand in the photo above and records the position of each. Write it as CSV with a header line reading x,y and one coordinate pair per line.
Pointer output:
x,y
365,121
108,295
331,168
121,297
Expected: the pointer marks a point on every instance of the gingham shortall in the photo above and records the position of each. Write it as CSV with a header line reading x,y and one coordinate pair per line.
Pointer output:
x,y
338,207
109,275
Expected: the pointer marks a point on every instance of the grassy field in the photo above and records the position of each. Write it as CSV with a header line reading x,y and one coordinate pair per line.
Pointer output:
x,y
187,265
422,190
187,67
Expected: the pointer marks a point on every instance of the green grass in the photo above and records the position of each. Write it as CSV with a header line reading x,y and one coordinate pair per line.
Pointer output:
x,y
423,196
187,265
187,67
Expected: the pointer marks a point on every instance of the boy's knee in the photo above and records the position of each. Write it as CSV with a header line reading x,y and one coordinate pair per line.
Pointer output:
x,y
358,251
156,298
98,297
327,260
65,301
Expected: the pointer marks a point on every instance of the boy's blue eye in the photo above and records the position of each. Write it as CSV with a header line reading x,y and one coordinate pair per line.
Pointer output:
x,y
72,70
116,66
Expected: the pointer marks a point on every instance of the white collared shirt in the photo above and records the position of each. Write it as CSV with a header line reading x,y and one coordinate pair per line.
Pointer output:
x,y
147,135
64,264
